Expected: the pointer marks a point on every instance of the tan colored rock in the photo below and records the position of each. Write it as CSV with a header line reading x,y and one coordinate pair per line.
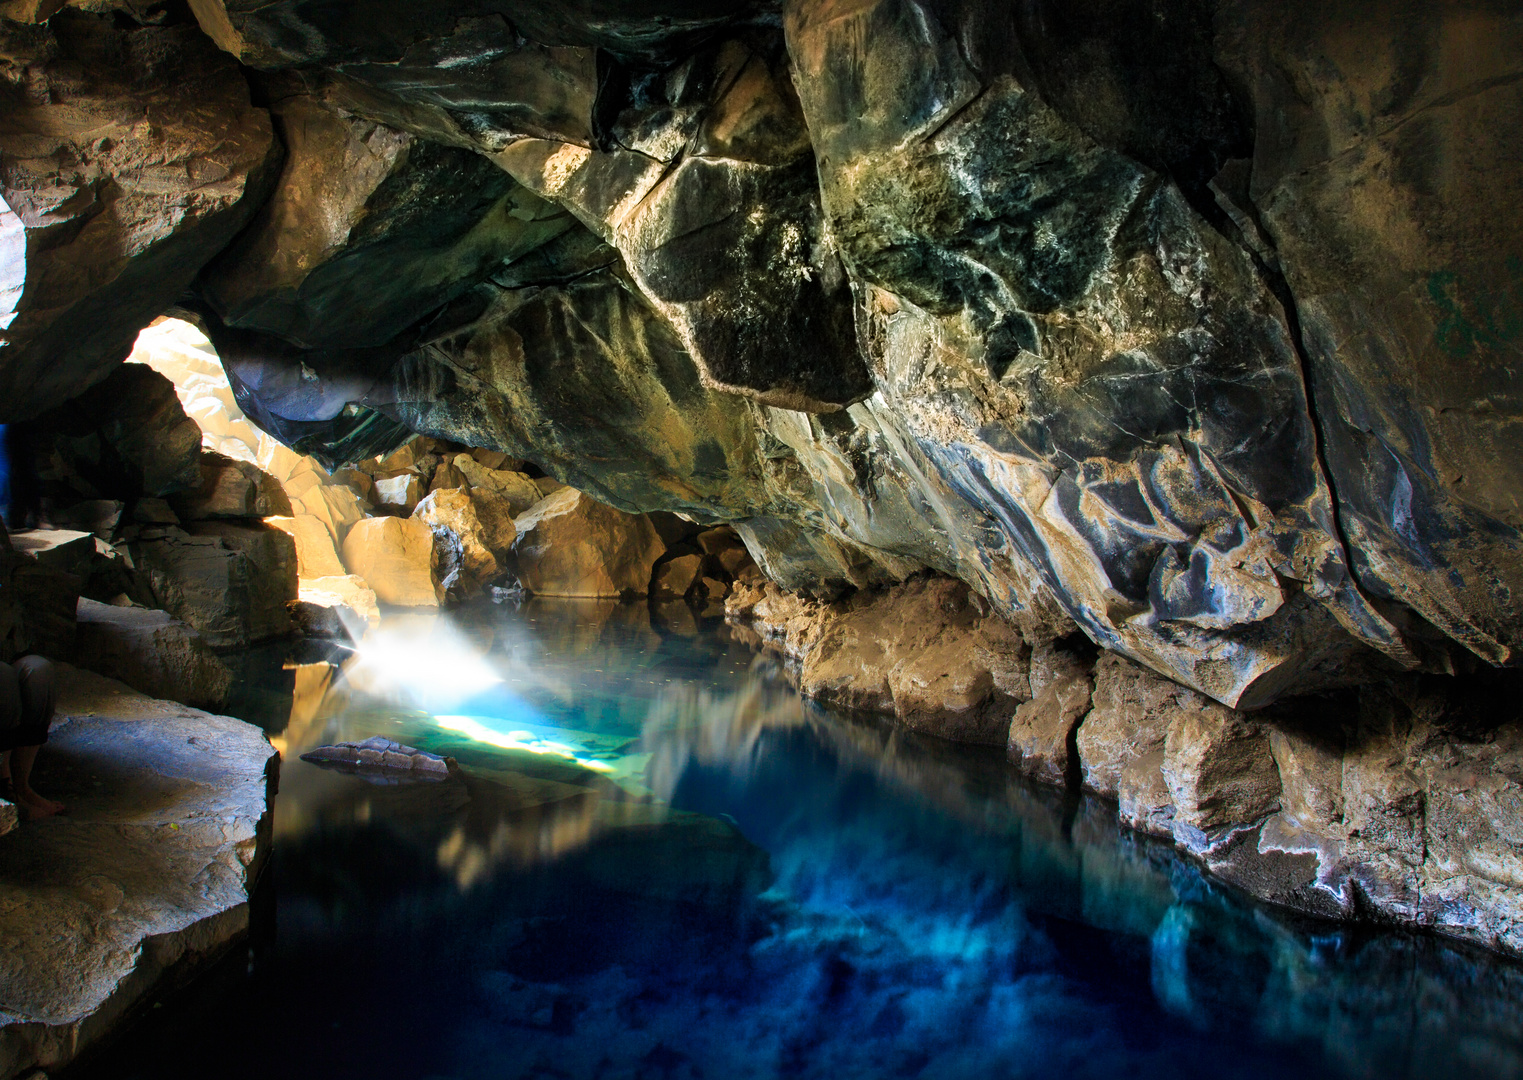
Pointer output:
x,y
335,505
399,494
126,180
362,483
153,652
676,577
491,459
463,562
1039,742
402,458
446,476
315,554
926,651
231,489
1146,804
520,492
548,485
498,531
1219,768
1132,710
569,544
395,557
348,591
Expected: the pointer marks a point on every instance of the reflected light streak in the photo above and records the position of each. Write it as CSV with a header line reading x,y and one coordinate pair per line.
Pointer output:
x,y
473,728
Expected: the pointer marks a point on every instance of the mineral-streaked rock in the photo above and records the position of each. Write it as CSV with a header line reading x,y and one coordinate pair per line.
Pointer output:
x,y
316,556
149,872
395,557
569,544
1133,709
463,563
152,652
380,754
1041,731
132,157
1219,768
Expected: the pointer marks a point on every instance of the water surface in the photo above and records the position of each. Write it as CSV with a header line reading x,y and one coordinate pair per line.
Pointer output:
x,y
656,860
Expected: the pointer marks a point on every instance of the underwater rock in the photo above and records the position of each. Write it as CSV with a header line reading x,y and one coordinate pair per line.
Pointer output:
x,y
381,755
569,544
153,652
395,557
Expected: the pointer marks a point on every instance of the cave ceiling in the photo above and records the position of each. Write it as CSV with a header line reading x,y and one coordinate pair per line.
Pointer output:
x,y
1192,325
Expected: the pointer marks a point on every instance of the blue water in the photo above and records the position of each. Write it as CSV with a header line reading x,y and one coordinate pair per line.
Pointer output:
x,y
676,868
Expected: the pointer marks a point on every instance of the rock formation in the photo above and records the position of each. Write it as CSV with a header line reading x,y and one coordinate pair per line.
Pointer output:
x,y
1186,328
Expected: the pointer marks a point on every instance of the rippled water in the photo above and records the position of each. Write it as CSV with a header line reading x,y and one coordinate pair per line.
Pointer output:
x,y
657,861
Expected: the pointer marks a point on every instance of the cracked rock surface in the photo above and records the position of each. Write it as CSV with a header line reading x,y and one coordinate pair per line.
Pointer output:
x,y
148,873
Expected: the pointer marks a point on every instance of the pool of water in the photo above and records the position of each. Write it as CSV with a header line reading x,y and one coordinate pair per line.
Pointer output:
x,y
656,860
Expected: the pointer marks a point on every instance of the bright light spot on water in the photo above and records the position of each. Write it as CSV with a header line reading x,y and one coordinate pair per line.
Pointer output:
x,y
421,659
473,728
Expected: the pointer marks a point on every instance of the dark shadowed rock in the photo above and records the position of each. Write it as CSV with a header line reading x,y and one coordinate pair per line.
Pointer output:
x,y
131,157
152,652
232,582
231,489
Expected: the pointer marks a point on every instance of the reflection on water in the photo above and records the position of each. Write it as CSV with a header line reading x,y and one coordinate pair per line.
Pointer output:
x,y
656,860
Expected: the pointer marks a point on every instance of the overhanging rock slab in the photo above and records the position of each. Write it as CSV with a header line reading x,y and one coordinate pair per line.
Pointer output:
x,y
149,873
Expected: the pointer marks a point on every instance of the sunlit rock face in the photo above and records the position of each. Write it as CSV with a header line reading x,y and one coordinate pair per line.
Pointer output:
x,y
1189,327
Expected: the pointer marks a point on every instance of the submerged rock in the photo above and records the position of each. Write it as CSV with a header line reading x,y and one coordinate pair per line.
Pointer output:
x,y
381,755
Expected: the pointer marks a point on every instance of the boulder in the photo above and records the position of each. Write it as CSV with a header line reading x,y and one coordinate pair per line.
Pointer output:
x,y
398,494
1041,734
519,491
126,437
569,544
340,594
335,505
1219,769
395,557
231,489
230,581
446,476
380,755
495,513
676,577
315,554
153,652
463,562
144,883
927,651
1133,710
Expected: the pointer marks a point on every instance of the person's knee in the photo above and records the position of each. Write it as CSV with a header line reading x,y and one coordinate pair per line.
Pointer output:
x,y
35,676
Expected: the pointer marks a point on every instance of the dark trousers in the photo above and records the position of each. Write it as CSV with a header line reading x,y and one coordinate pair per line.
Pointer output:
x,y
27,694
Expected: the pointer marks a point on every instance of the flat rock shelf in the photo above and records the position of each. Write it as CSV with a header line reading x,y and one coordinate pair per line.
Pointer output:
x,y
145,878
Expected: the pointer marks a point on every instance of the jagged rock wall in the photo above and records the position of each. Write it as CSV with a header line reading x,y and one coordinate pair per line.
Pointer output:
x,y
1188,324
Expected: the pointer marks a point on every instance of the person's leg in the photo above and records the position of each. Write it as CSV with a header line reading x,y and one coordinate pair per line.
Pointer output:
x,y
10,718
38,693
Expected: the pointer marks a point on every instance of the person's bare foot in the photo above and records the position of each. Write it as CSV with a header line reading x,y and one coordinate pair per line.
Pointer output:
x,y
36,806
